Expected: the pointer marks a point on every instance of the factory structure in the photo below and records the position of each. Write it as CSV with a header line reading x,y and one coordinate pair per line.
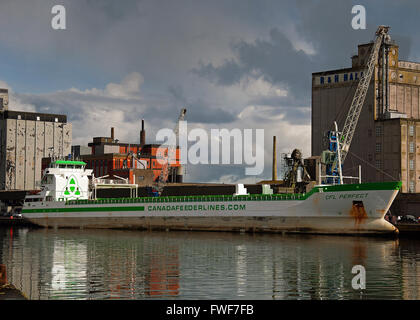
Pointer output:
x,y
386,134
139,163
386,143
25,139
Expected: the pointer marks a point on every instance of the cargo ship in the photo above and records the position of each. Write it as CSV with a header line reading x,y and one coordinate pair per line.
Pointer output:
x,y
68,193
67,200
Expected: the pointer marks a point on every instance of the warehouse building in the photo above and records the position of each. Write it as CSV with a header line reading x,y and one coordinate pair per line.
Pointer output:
x,y
387,139
26,138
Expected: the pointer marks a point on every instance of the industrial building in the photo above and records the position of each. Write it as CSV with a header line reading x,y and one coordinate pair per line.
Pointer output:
x,y
26,138
136,162
386,142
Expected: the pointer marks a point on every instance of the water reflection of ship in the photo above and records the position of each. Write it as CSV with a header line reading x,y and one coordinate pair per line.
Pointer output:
x,y
132,269
295,266
320,268
137,265
69,268
162,279
148,270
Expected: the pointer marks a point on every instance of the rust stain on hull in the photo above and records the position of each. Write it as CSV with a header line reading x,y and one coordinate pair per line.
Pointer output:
x,y
381,211
358,212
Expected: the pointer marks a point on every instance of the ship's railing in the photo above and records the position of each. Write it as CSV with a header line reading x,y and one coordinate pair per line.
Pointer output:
x,y
206,198
336,179
394,185
110,181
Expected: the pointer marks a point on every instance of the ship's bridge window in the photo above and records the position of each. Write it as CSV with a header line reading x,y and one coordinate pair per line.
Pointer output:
x,y
48,179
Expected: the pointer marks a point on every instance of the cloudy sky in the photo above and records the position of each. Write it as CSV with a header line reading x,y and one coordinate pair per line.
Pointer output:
x,y
231,63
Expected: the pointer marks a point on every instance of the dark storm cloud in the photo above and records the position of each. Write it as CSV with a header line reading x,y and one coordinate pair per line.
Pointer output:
x,y
230,72
275,59
115,10
274,101
74,104
326,26
198,110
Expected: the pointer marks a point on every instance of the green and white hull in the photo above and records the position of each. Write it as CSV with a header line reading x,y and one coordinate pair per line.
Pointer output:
x,y
338,209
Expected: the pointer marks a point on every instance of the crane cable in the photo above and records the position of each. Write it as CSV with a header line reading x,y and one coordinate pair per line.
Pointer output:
x,y
380,170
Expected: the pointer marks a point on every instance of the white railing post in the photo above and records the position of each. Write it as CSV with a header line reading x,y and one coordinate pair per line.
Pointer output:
x,y
319,175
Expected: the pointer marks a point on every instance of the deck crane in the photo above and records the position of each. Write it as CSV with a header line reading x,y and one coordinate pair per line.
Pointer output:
x,y
339,142
169,155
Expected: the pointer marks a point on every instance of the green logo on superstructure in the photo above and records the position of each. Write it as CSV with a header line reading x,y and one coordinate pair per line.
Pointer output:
x,y
72,188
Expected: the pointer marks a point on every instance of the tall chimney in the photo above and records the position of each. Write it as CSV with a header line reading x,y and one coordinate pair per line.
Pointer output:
x,y
112,134
142,134
274,159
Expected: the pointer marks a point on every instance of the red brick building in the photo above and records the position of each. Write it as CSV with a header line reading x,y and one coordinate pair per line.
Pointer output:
x,y
137,162
118,162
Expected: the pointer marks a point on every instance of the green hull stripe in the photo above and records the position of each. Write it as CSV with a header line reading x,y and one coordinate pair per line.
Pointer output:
x,y
84,209
394,185
69,162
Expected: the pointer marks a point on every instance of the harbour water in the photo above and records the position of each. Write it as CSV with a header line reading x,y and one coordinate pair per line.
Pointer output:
x,y
111,264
